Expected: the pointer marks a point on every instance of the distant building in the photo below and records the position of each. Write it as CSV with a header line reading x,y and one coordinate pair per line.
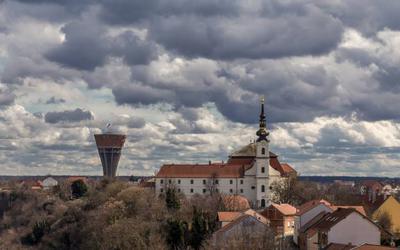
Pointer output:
x,y
281,217
49,183
249,172
225,218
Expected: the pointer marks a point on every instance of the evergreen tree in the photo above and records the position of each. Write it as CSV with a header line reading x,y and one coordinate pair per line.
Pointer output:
x,y
199,229
78,188
176,230
172,199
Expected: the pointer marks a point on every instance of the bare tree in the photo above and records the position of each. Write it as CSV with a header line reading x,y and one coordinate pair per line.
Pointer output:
x,y
211,184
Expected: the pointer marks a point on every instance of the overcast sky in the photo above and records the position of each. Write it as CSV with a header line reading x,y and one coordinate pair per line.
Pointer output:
x,y
183,78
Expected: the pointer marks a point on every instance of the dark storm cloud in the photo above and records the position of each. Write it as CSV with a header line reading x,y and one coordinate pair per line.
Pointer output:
x,y
76,115
270,36
137,122
86,47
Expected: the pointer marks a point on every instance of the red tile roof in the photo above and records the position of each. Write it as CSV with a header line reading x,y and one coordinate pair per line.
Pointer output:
x,y
228,216
311,204
285,209
202,171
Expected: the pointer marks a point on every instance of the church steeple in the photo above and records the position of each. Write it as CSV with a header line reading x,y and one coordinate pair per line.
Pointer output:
x,y
262,132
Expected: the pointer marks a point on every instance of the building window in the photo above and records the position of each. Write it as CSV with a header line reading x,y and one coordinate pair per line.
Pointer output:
x,y
241,181
241,191
262,203
204,182
191,190
161,190
216,181
230,181
179,190
262,188
179,181
262,170
169,181
231,190
161,181
191,181
204,191
253,187
263,151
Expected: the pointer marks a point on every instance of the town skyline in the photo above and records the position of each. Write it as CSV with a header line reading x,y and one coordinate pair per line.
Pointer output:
x,y
183,81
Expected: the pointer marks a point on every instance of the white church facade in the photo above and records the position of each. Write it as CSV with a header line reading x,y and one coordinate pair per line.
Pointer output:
x,y
249,172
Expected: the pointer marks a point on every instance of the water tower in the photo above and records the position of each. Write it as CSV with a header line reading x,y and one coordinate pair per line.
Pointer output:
x,y
109,146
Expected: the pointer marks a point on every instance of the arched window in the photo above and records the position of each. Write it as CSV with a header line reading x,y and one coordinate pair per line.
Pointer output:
x,y
262,203
263,151
262,188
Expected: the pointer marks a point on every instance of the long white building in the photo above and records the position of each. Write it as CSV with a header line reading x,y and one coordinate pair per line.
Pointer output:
x,y
248,172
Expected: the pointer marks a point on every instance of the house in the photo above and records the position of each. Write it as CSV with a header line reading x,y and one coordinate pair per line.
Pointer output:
x,y
391,207
225,218
344,226
307,212
49,183
245,226
249,172
281,217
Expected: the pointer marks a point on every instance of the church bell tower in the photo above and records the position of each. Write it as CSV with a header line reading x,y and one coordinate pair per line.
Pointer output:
x,y
262,161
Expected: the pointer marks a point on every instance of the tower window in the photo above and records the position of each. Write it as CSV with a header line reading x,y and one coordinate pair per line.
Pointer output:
x,y
262,170
262,188
263,151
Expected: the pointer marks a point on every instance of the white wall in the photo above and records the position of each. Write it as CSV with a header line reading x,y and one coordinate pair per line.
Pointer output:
x,y
310,214
356,230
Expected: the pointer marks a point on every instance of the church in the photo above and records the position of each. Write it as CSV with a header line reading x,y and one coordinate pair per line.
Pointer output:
x,y
249,172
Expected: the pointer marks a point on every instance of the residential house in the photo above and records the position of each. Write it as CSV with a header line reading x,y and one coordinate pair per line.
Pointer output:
x,y
344,226
281,217
391,207
307,212
49,182
225,218
244,227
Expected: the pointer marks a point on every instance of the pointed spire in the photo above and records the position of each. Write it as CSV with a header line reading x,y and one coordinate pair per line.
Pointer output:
x,y
262,132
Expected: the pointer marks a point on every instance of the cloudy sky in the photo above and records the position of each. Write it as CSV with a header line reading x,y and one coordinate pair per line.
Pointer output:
x,y
183,79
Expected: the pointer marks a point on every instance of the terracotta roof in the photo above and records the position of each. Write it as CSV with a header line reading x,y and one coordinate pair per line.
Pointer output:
x,y
336,246
228,216
360,209
203,170
373,247
311,204
287,168
241,161
285,209
237,221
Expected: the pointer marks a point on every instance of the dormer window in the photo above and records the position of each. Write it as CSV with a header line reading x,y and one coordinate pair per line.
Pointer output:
x,y
263,151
